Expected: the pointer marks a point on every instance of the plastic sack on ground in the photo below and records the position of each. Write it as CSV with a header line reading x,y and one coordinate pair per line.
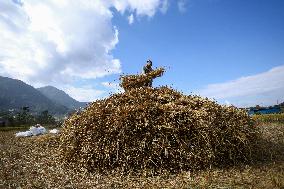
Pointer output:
x,y
24,134
34,131
54,131
38,130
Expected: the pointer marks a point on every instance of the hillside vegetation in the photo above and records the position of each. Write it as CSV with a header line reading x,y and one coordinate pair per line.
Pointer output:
x,y
15,94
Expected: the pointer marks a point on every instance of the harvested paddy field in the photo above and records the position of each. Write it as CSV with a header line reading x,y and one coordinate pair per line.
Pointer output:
x,y
33,163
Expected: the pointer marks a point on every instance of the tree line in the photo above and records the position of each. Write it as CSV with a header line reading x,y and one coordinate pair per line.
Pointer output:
x,y
24,117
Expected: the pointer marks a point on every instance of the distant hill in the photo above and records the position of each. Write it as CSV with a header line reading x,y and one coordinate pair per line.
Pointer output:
x,y
15,94
60,97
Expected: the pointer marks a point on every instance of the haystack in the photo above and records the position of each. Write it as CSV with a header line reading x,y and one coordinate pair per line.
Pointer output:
x,y
156,129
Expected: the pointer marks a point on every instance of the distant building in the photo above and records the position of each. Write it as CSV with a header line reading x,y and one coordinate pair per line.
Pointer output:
x,y
264,110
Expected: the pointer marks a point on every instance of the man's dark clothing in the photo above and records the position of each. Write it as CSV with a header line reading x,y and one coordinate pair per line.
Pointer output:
x,y
147,69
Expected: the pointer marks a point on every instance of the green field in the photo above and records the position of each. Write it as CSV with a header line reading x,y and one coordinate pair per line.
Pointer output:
x,y
32,163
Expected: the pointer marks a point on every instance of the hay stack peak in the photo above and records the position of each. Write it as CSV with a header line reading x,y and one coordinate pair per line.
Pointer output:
x,y
155,129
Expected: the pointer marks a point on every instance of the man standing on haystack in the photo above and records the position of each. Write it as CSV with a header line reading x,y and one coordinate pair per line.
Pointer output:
x,y
147,69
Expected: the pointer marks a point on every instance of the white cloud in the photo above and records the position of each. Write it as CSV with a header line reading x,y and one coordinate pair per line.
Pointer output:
x,y
84,93
113,86
227,103
60,42
131,19
164,6
47,41
140,7
182,5
266,88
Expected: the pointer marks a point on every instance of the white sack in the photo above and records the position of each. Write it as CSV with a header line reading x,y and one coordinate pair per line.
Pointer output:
x,y
38,130
34,131
24,134
54,131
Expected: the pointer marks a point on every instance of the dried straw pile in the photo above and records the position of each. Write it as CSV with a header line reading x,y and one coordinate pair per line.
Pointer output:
x,y
156,129
135,81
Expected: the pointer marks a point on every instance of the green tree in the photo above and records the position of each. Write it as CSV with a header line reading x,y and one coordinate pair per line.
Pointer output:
x,y
45,118
9,117
24,117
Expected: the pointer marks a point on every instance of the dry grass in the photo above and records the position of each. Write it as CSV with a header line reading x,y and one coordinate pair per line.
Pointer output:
x,y
269,118
32,163
136,81
150,130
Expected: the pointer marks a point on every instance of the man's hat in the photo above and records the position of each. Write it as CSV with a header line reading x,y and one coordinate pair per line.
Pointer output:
x,y
149,61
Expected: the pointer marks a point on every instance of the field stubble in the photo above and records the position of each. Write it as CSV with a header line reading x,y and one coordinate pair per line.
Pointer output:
x,y
32,163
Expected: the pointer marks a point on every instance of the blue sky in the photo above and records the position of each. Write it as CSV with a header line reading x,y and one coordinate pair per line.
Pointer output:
x,y
229,50
213,41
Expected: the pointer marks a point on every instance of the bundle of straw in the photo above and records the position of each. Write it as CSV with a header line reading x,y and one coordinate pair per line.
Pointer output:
x,y
135,81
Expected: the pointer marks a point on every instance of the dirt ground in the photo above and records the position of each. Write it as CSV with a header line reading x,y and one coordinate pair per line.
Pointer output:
x,y
33,163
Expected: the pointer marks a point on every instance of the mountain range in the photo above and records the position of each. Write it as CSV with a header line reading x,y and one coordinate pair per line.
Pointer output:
x,y
60,97
15,94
